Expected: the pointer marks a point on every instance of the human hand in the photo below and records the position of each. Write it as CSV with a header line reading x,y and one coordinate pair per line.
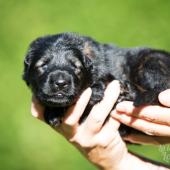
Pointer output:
x,y
153,120
100,142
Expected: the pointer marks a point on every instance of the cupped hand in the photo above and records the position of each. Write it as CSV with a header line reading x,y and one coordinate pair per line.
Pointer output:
x,y
96,138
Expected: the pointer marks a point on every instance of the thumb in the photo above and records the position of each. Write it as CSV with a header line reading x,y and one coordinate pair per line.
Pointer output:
x,y
37,109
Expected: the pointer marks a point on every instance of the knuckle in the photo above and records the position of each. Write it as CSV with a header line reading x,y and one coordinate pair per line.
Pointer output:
x,y
151,119
96,127
85,144
81,143
97,121
69,123
103,144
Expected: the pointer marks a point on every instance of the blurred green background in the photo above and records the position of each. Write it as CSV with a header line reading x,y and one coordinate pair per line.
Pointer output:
x,y
26,143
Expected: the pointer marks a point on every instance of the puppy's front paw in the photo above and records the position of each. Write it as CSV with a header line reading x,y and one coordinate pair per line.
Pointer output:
x,y
97,96
124,130
55,122
97,93
53,116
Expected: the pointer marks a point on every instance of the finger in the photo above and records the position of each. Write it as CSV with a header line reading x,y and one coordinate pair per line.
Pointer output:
x,y
164,98
70,122
140,139
108,133
101,110
143,125
156,114
111,125
75,112
146,139
37,109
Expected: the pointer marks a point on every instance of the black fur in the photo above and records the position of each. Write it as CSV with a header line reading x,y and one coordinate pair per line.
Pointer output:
x,y
59,67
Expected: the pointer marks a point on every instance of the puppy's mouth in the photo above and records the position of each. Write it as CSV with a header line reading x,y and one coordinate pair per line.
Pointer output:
x,y
57,100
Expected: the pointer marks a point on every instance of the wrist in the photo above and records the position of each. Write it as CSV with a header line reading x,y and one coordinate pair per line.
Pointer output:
x,y
113,157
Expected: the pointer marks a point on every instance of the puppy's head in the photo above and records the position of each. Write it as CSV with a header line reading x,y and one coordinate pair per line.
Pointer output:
x,y
57,69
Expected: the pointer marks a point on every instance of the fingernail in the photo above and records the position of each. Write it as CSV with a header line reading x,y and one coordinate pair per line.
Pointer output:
x,y
88,91
164,97
115,82
114,87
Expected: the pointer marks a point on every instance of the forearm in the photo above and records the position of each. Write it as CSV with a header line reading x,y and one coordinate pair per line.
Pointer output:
x,y
115,156
133,162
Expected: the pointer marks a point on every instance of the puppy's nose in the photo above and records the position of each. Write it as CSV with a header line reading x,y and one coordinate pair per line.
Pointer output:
x,y
61,83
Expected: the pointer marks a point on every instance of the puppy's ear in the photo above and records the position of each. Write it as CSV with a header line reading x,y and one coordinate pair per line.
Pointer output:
x,y
88,51
27,64
88,55
88,63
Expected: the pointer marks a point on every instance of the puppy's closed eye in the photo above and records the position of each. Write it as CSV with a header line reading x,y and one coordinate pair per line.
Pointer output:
x,y
42,62
42,65
77,66
76,63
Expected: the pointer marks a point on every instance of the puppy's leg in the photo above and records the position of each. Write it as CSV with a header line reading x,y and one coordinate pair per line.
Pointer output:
x,y
98,87
53,116
127,91
97,92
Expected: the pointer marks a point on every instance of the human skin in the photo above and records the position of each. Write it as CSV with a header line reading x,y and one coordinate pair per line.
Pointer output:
x,y
152,120
98,140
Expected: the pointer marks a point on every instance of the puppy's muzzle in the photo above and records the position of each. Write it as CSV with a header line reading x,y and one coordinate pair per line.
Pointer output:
x,y
60,81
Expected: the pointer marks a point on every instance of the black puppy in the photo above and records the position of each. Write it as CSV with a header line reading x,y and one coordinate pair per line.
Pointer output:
x,y
59,67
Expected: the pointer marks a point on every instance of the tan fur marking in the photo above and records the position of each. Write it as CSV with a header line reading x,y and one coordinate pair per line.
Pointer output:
x,y
140,88
88,50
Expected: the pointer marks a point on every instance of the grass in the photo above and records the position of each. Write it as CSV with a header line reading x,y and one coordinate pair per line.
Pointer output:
x,y
27,143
